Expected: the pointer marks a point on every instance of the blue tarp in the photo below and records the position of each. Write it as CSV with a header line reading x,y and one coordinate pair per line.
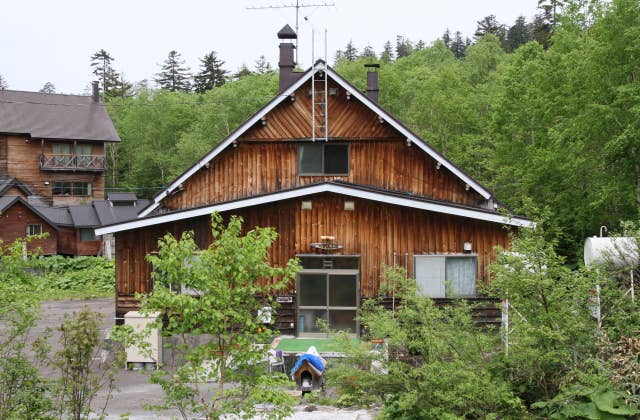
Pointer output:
x,y
315,361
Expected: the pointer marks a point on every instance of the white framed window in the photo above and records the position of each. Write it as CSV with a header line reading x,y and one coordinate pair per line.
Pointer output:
x,y
34,230
441,276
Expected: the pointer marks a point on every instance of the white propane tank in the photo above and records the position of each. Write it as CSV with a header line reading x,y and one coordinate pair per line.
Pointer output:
x,y
621,251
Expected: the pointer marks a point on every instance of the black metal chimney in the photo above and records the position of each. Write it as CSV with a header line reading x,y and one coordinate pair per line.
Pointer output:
x,y
287,63
372,81
95,91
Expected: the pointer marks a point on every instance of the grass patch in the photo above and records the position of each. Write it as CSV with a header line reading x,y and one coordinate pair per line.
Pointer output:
x,y
323,345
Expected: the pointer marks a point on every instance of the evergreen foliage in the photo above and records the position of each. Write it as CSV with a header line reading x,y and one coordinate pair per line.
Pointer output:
x,y
112,83
262,65
3,83
174,76
48,88
211,73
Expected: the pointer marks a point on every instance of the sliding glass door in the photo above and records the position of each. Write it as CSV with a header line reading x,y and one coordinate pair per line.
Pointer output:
x,y
331,296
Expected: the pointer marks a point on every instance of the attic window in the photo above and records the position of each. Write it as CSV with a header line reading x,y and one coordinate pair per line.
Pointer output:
x,y
323,159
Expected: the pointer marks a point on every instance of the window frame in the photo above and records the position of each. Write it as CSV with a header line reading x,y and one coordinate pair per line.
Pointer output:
x,y
93,236
444,279
71,187
323,156
29,228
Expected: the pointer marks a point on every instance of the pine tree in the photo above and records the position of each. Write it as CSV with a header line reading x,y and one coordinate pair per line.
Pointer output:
x,y
3,83
403,47
242,72
420,45
458,45
112,83
518,34
262,65
490,25
174,75
387,53
48,88
211,73
368,52
339,56
541,28
350,52
446,38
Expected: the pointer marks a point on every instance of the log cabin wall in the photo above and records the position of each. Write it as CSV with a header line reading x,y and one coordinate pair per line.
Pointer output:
x,y
373,230
265,158
3,155
23,163
14,222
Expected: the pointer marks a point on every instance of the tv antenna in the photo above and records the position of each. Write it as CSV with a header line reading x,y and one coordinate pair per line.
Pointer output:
x,y
298,5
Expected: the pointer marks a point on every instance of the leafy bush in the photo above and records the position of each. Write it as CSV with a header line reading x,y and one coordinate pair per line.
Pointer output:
x,y
58,273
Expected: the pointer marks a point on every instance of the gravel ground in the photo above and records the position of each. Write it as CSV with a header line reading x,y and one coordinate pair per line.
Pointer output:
x,y
134,390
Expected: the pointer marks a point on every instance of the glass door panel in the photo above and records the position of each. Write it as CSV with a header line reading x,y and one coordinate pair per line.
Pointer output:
x,y
307,320
343,320
313,290
343,290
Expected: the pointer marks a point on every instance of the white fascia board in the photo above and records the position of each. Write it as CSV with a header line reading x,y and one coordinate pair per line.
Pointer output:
x,y
315,189
225,143
417,141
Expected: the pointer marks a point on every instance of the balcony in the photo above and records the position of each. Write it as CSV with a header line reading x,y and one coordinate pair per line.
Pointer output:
x,y
88,163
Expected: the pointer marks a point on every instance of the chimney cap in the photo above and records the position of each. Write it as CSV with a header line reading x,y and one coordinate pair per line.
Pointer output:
x,y
374,65
287,33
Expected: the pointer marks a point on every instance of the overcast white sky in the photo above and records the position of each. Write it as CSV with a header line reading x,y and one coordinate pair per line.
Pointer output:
x,y
52,40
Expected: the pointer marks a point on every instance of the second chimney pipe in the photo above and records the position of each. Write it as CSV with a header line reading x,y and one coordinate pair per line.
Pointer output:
x,y
95,91
372,81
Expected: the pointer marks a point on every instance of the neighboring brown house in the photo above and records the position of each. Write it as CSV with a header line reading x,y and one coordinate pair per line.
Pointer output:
x,y
52,165
348,188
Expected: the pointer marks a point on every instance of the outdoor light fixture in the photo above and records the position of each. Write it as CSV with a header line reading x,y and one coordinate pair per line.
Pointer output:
x,y
467,247
348,95
306,205
349,205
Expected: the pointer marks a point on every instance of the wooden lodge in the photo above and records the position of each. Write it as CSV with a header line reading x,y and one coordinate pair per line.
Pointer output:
x,y
347,187
52,164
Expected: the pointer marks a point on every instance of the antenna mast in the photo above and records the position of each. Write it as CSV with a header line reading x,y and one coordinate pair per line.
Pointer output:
x,y
297,6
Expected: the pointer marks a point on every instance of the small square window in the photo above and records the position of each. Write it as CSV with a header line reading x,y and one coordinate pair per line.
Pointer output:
x,y
336,159
310,158
34,230
87,235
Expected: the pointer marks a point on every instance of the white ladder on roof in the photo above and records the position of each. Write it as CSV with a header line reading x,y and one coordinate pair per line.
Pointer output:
x,y
319,94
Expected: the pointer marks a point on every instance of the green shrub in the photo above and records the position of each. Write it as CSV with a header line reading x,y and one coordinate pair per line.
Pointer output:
x,y
60,277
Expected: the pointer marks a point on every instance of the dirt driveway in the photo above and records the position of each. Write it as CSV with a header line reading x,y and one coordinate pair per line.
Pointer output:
x,y
134,389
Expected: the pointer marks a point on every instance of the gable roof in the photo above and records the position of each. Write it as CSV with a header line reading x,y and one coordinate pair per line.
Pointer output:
x,y
337,187
55,116
319,65
9,182
8,201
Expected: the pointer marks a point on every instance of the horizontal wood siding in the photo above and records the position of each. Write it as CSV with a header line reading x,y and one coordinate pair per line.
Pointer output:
x,y
374,231
23,163
14,221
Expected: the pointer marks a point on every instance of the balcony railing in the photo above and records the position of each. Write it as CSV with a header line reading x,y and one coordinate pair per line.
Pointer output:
x,y
72,163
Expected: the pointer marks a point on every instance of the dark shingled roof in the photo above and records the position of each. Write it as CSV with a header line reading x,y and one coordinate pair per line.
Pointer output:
x,y
58,215
84,216
7,201
287,33
9,182
54,116
121,196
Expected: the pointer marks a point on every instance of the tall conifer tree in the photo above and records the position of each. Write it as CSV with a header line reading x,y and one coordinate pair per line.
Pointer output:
x,y
174,75
211,73
3,83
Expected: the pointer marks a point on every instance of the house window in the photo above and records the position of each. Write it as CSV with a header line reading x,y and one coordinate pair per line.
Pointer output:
x,y
61,148
34,230
61,188
78,189
323,159
83,149
440,276
87,235
81,188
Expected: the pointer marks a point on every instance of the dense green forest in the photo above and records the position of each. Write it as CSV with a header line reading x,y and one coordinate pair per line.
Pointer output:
x,y
553,123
